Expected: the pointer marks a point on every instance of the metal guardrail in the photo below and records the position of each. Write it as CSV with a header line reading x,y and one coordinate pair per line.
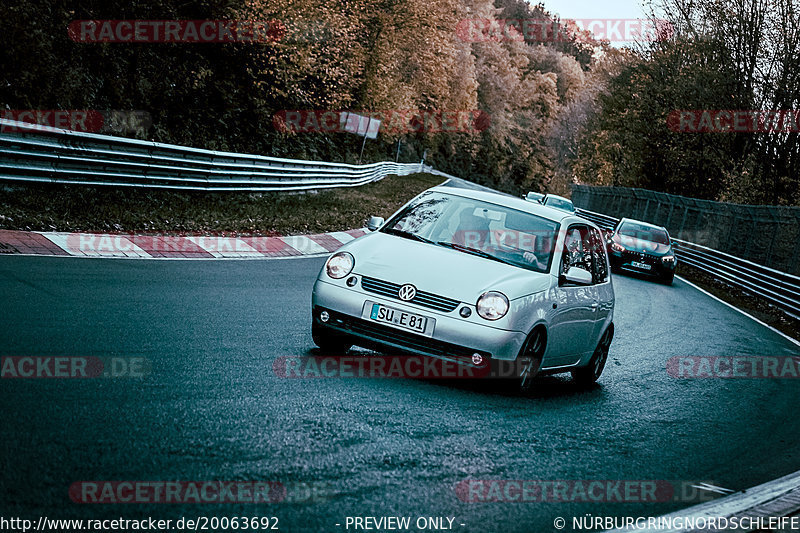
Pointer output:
x,y
31,153
778,288
764,234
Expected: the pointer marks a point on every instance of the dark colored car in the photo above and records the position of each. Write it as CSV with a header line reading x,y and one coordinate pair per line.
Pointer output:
x,y
641,248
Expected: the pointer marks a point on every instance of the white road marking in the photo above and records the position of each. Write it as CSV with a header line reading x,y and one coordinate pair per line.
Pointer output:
x,y
341,236
713,488
748,315
225,247
95,245
304,245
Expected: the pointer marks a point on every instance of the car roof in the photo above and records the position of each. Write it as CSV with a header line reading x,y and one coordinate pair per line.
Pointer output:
x,y
550,213
557,197
643,223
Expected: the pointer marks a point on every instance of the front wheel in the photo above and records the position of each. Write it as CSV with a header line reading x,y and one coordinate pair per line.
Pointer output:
x,y
667,279
529,360
590,373
328,341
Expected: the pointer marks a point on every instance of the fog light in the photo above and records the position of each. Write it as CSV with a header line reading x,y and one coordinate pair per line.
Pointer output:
x,y
465,312
477,359
351,281
324,316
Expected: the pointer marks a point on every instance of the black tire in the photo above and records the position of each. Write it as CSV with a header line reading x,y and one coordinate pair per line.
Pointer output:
x,y
529,360
328,341
667,280
589,374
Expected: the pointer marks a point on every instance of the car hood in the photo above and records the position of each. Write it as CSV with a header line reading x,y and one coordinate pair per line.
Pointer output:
x,y
639,246
440,270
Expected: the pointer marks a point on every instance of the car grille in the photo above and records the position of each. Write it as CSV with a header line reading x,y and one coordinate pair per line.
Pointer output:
x,y
422,298
382,334
641,257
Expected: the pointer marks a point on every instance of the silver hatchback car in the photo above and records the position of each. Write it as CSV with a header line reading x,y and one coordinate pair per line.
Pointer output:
x,y
475,278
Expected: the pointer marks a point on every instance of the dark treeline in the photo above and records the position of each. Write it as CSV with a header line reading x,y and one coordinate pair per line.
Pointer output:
x,y
560,110
721,55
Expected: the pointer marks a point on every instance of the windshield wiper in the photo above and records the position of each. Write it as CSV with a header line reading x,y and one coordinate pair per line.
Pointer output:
x,y
407,235
474,251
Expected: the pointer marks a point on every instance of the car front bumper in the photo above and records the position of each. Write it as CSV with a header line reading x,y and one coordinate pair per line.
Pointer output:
x,y
453,337
624,261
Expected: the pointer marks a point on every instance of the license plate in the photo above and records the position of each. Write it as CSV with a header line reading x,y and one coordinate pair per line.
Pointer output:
x,y
389,315
643,266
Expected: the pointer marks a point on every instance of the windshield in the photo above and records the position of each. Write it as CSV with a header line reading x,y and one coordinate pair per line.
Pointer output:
x,y
558,203
644,233
489,230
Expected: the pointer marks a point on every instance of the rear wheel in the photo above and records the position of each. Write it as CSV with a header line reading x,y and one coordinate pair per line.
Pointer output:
x,y
590,373
328,341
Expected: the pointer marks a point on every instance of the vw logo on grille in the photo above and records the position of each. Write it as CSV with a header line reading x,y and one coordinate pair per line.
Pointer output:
x,y
407,292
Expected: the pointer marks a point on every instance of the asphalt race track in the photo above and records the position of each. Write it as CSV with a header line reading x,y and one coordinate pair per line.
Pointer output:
x,y
213,409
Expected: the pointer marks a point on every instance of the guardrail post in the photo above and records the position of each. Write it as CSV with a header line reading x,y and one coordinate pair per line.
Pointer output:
x,y
683,221
796,252
773,232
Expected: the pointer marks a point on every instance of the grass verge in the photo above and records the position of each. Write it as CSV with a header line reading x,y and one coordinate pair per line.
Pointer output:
x,y
46,207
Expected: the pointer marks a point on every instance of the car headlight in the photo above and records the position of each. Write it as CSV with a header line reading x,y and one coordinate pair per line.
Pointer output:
x,y
617,247
339,265
668,258
492,305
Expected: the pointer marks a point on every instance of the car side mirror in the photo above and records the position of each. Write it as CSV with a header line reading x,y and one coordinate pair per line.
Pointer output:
x,y
578,276
374,223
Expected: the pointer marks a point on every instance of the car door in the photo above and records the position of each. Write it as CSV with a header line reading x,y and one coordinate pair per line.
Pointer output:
x,y
604,291
575,306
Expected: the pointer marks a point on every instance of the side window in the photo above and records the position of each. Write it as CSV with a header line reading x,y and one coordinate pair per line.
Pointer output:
x,y
577,250
599,260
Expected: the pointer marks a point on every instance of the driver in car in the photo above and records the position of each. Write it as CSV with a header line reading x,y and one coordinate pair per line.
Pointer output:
x,y
526,243
531,258
573,254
